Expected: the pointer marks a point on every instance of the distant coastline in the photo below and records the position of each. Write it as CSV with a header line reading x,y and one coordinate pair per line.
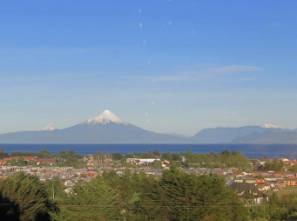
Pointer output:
x,y
249,150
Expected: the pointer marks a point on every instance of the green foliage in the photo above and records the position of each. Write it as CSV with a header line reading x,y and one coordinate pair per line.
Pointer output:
x,y
171,157
29,196
225,159
44,154
9,211
280,207
2,154
283,207
69,159
95,201
132,189
273,165
55,189
293,169
153,154
187,197
19,162
13,154
176,196
117,156
41,154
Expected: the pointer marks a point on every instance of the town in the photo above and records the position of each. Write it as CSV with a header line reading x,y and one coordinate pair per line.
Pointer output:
x,y
252,179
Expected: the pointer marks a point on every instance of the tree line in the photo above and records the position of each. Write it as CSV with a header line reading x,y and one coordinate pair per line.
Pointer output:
x,y
176,196
173,197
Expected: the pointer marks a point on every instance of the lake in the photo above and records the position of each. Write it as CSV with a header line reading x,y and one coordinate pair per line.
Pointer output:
x,y
249,150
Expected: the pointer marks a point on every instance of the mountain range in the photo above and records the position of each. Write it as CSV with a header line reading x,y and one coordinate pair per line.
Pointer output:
x,y
107,128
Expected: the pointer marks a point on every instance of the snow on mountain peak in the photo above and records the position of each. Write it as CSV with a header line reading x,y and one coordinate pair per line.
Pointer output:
x,y
270,126
50,127
106,117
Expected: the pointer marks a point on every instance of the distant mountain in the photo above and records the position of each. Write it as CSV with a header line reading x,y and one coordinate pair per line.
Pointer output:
x,y
105,128
226,134
273,136
267,134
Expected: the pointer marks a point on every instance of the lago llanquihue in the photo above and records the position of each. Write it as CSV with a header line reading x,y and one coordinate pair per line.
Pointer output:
x,y
250,150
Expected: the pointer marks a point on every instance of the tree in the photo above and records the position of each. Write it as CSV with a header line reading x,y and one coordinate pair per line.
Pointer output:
x,y
275,165
95,201
3,154
224,159
44,154
133,190
188,198
176,196
55,189
30,197
9,211
69,158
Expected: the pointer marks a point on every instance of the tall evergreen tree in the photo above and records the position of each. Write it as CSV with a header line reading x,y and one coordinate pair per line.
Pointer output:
x,y
93,201
29,196
185,197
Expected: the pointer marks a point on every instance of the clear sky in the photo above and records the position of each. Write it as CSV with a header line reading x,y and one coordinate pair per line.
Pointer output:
x,y
168,65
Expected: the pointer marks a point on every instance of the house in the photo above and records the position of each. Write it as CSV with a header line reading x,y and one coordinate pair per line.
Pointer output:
x,y
140,161
291,182
260,181
249,191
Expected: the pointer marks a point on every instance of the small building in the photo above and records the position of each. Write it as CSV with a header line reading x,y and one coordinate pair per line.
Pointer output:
x,y
249,191
291,182
140,161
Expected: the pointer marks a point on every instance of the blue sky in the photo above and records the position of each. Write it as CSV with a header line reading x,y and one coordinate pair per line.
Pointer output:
x,y
167,65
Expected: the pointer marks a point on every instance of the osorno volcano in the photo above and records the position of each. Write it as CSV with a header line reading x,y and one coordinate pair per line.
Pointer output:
x,y
106,128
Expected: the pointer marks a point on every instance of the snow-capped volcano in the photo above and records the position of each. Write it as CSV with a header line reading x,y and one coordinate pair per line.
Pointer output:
x,y
105,118
106,128
50,127
270,126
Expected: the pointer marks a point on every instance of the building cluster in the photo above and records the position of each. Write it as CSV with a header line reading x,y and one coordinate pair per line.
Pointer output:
x,y
69,175
165,164
254,185
257,185
27,159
